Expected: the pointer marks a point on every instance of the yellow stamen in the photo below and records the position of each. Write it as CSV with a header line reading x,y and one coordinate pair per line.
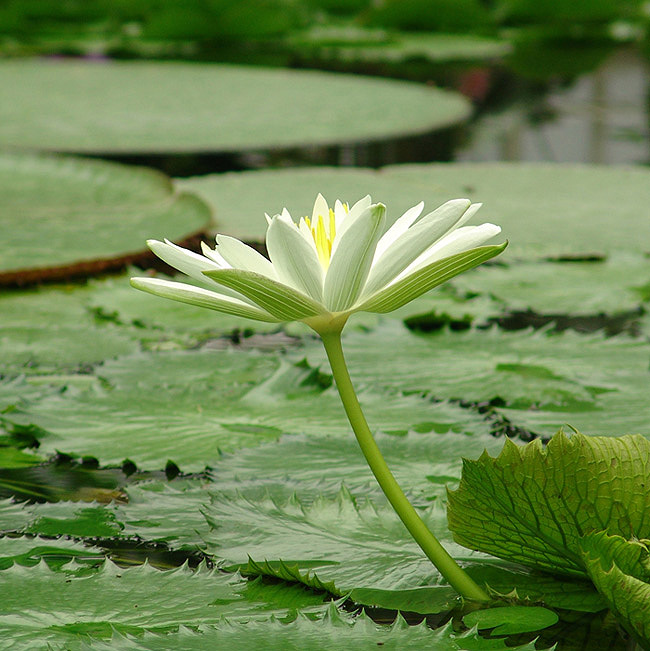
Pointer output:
x,y
322,238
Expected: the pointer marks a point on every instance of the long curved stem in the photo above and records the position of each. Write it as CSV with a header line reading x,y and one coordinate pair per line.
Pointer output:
x,y
436,553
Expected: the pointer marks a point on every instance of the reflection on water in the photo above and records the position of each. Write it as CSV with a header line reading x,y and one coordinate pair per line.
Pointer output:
x,y
601,117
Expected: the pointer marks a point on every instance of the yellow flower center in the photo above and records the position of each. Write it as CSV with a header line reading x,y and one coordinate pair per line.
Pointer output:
x,y
323,237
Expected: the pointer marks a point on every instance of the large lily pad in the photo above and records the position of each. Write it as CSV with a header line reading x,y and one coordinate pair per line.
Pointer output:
x,y
545,210
66,217
139,107
147,407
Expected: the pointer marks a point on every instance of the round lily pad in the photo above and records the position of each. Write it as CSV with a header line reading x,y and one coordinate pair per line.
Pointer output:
x,y
545,210
65,217
145,107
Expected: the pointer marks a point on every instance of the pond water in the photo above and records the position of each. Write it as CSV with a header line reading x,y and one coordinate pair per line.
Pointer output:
x,y
599,117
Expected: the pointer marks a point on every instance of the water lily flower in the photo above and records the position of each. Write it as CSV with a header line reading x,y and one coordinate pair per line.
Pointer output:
x,y
324,268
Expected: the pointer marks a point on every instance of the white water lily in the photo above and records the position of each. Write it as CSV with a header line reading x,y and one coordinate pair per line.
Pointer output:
x,y
326,267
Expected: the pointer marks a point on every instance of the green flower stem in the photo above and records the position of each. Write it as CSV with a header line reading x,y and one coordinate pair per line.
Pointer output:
x,y
436,553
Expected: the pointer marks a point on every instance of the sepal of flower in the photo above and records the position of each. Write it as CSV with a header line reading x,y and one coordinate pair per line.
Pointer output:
x,y
326,267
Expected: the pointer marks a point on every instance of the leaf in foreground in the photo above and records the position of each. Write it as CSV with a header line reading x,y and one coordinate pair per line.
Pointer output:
x,y
362,549
334,631
620,569
38,604
510,620
532,505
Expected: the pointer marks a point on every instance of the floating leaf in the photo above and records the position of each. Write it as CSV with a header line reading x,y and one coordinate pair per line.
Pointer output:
x,y
563,288
511,620
538,381
362,549
45,606
532,505
76,108
66,217
577,209
29,551
147,406
423,464
51,331
334,631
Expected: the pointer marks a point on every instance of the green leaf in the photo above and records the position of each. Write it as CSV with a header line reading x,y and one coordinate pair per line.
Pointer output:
x,y
29,551
620,569
51,331
77,110
41,605
61,212
361,549
423,464
11,457
146,406
538,381
511,620
535,229
563,288
533,505
334,631
72,519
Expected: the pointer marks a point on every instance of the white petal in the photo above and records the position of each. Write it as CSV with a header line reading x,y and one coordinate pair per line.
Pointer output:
x,y
294,259
320,209
400,226
412,243
241,256
353,214
214,255
190,263
201,298
462,239
350,264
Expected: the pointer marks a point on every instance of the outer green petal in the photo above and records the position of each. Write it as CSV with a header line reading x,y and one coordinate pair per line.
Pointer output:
x,y
414,242
426,278
350,263
281,301
461,239
294,259
201,298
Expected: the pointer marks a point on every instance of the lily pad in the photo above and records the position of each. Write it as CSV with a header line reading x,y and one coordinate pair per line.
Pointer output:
x,y
334,631
146,107
39,604
146,407
511,620
52,331
66,217
522,371
545,210
360,548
